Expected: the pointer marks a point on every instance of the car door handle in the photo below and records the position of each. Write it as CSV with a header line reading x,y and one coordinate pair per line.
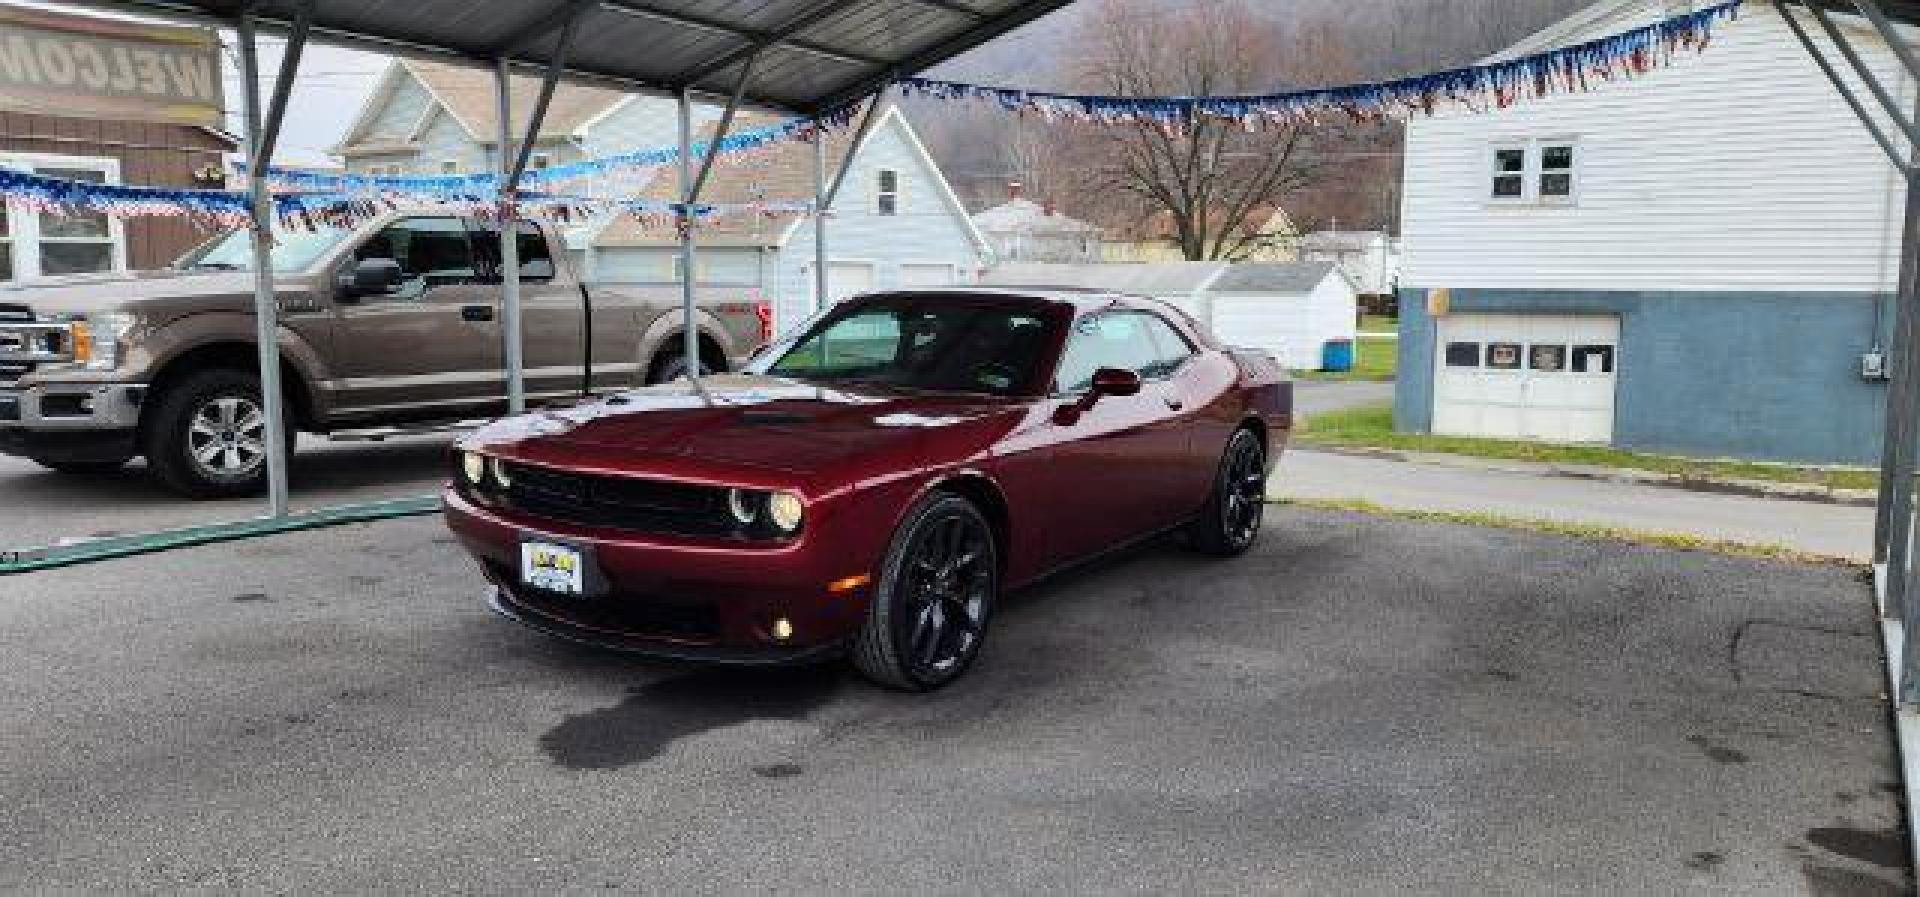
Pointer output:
x,y
1173,404
476,313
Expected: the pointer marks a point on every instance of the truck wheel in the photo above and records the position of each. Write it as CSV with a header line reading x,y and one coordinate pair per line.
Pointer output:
x,y
673,367
207,437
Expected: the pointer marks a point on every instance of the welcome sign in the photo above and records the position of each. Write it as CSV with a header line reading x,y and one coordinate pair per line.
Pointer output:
x,y
72,66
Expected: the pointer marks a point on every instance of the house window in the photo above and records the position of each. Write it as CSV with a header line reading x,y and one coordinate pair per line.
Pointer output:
x,y
1510,173
539,160
450,166
1544,172
887,194
43,244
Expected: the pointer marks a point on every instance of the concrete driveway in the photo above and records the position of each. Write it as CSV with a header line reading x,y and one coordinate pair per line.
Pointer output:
x,y
1361,705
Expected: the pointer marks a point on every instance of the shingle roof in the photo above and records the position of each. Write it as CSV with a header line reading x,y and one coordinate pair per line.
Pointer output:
x,y
1162,279
781,171
1028,216
1273,277
468,93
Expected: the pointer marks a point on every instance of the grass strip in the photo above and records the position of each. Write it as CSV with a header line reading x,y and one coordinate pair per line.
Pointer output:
x,y
1371,426
1675,541
94,550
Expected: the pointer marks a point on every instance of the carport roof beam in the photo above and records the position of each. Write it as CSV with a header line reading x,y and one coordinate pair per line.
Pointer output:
x,y
1840,85
1867,75
820,57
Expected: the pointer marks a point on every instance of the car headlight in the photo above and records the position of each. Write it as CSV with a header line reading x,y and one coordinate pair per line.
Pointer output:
x,y
502,475
96,340
473,466
784,510
743,505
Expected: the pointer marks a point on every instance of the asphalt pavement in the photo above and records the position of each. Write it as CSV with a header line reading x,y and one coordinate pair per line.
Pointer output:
x,y
1361,705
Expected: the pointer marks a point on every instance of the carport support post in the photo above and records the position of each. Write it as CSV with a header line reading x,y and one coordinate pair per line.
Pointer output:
x,y
683,220
819,220
263,130
509,245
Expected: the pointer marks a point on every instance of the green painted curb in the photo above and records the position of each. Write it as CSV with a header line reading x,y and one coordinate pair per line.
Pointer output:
x,y
88,552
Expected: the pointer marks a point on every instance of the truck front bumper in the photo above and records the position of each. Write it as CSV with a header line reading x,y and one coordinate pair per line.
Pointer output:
x,y
71,422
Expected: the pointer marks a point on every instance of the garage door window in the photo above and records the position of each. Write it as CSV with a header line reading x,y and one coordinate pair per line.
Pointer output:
x,y
1503,356
1547,358
1593,359
1463,355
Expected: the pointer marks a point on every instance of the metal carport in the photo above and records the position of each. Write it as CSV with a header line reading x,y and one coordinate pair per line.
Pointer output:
x,y
810,58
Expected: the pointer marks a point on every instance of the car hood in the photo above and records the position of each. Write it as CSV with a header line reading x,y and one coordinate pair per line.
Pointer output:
x,y
763,422
81,293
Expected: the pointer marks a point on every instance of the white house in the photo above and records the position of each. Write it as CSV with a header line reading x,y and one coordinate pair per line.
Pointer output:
x,y
1370,258
1021,230
896,222
1290,309
1694,260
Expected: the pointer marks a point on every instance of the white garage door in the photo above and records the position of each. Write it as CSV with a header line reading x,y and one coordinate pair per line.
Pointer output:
x,y
927,275
846,279
1548,377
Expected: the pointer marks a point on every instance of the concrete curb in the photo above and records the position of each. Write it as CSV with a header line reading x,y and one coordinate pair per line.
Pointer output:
x,y
1725,486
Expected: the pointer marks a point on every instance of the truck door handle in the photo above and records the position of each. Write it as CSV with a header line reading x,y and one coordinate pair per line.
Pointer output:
x,y
476,313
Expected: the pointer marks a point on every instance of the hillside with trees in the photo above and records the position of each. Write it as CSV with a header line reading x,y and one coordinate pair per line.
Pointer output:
x,y
1208,191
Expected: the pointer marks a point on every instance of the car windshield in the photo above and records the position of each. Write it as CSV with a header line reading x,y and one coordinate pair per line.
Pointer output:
x,y
942,346
294,250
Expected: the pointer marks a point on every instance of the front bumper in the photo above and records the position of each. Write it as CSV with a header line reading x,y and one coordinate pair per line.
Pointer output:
x,y
71,422
693,599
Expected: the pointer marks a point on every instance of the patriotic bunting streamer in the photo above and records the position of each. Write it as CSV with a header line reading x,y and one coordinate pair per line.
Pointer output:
x,y
603,186
1499,85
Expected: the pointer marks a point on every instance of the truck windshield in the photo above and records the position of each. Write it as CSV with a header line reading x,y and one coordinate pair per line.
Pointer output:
x,y
294,250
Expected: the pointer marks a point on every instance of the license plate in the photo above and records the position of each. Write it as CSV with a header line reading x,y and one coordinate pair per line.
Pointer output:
x,y
552,568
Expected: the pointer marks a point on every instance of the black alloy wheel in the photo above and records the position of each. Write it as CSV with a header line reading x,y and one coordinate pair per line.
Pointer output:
x,y
674,368
1231,521
937,589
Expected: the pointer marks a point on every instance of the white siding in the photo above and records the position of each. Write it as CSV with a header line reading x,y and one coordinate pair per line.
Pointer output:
x,y
1293,326
402,112
655,264
444,141
640,123
928,230
1739,169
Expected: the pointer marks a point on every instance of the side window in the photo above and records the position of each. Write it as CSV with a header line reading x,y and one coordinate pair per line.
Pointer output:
x,y
887,193
1171,348
1509,173
430,251
1109,340
536,259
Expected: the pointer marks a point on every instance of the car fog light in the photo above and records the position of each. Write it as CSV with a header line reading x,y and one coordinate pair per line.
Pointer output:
x,y
743,505
785,510
502,475
782,629
473,466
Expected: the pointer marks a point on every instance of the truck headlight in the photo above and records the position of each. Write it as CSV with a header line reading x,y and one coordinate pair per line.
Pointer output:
x,y
785,509
96,340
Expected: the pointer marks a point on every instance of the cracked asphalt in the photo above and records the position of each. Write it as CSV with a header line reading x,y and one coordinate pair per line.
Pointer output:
x,y
1361,705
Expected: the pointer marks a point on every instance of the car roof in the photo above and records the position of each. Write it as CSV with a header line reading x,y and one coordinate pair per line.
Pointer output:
x,y
1080,299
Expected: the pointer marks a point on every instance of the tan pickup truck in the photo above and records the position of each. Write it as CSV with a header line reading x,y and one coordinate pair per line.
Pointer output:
x,y
391,324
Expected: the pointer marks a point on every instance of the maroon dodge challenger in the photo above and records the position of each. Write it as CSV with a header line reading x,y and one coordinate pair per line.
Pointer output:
x,y
872,484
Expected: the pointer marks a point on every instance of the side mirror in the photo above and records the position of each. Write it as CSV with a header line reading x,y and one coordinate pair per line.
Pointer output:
x,y
1106,382
371,277
1116,382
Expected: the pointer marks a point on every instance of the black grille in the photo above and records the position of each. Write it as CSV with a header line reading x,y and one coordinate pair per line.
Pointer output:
x,y
628,615
15,314
14,370
619,502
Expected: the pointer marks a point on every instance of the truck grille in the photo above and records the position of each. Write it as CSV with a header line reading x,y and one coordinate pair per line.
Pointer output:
x,y
626,503
14,341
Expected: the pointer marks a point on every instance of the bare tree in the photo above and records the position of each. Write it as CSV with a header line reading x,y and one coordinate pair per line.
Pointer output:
x,y
1215,184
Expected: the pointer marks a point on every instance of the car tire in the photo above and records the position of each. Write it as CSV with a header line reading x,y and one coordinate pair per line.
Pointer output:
x,y
938,586
83,468
673,367
1230,522
207,436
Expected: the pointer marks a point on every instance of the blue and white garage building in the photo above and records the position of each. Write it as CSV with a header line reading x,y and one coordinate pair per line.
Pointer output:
x,y
1699,261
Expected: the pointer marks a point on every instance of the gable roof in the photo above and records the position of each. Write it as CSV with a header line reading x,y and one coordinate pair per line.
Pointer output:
x,y
1158,279
1265,277
467,94
781,171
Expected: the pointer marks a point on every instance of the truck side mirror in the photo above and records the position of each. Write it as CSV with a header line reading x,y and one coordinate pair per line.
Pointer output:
x,y
371,277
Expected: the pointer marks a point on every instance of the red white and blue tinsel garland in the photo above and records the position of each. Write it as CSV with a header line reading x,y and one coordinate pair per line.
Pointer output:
x,y
1564,70
601,186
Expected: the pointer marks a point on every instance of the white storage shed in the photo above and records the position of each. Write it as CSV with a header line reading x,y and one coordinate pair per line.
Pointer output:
x,y
1289,309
